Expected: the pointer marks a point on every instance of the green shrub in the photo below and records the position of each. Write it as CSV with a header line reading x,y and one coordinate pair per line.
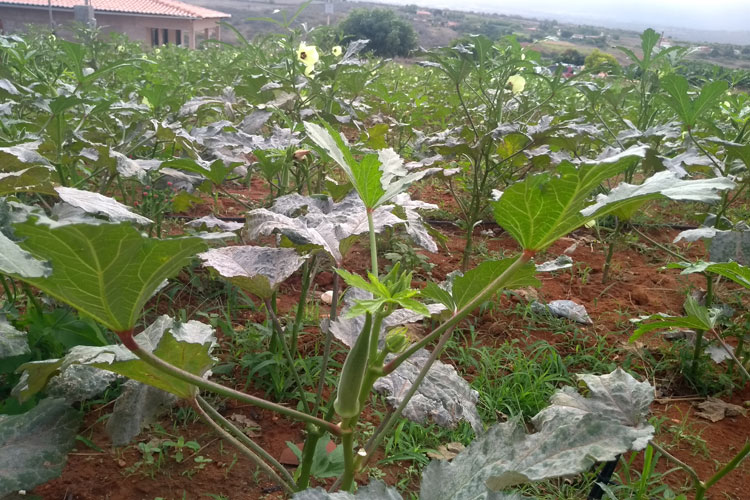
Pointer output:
x,y
389,34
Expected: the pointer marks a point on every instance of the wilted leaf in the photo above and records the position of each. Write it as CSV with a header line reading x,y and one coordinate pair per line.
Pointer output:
x,y
719,354
95,203
137,406
106,271
35,444
561,262
714,409
572,434
79,382
564,309
446,451
258,270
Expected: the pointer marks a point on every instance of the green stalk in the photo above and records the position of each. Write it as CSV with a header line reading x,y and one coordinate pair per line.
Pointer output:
x,y
308,454
729,467
373,243
385,429
459,315
152,360
347,440
308,269
215,416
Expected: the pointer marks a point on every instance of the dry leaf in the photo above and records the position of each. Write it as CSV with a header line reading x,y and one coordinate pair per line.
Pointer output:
x,y
249,426
715,409
446,452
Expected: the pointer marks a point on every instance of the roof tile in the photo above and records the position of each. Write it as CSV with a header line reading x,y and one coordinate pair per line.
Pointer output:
x,y
171,8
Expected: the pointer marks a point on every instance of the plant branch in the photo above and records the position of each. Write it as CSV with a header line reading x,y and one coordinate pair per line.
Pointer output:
x,y
460,314
243,449
287,482
152,360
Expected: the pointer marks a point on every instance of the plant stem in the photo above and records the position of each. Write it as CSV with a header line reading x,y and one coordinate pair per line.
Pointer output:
x,y
464,311
287,353
308,270
152,360
730,466
373,243
697,483
347,441
659,245
385,429
287,482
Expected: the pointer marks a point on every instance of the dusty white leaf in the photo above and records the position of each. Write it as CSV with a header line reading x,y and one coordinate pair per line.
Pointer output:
x,y
258,270
666,184
95,203
572,434
211,222
561,262
564,309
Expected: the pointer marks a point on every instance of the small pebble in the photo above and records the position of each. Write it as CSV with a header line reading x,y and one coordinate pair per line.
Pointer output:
x,y
327,297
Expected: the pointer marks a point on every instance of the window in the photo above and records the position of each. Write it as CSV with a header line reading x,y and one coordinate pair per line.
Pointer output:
x,y
165,36
178,37
154,37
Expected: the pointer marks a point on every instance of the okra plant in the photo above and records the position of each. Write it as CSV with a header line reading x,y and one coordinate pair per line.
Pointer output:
x,y
261,104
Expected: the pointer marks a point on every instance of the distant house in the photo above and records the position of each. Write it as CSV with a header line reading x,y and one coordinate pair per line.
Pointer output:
x,y
153,22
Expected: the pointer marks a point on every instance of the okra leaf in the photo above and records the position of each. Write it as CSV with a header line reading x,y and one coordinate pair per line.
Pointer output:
x,y
689,110
697,318
731,270
318,222
137,406
471,284
258,270
185,345
12,342
97,204
664,184
542,208
106,271
376,490
378,178
34,178
15,260
35,444
443,397
571,435
439,295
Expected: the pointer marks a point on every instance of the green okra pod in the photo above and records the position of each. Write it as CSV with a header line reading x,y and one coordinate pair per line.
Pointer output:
x,y
353,374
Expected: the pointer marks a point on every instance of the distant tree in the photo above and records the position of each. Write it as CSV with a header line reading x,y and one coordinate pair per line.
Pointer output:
x,y
566,33
601,61
571,56
389,34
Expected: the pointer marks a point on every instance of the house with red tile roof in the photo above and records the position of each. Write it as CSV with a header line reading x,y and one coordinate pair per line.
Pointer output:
x,y
153,22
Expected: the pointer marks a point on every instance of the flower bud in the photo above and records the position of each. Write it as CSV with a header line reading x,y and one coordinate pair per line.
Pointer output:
x,y
397,339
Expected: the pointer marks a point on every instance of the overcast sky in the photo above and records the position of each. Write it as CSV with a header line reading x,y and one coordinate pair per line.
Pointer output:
x,y
695,14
